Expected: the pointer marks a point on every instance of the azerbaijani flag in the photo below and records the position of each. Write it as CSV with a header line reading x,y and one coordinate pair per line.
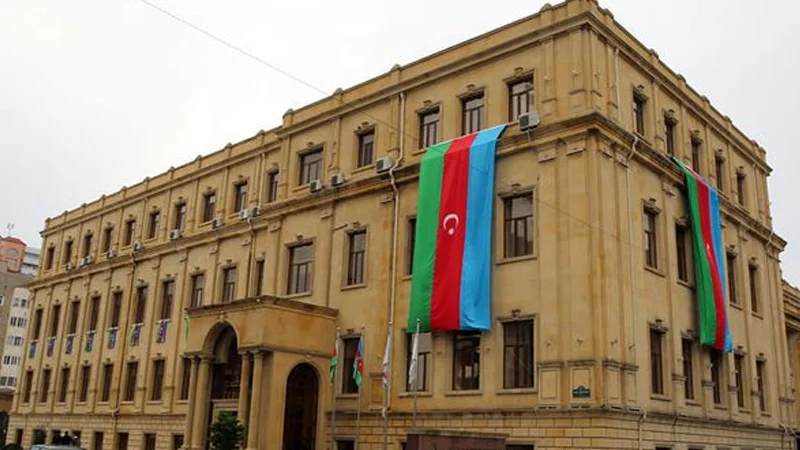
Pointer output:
x,y
708,261
334,359
358,363
450,288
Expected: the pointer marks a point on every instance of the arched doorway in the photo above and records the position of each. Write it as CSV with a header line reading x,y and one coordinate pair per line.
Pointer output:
x,y
300,413
226,374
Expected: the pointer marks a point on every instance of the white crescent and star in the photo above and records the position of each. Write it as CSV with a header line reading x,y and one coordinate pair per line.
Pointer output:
x,y
450,218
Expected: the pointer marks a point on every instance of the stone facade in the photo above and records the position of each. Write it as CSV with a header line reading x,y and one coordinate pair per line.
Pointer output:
x,y
274,258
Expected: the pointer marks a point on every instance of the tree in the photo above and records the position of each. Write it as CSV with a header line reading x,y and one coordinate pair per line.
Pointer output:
x,y
227,433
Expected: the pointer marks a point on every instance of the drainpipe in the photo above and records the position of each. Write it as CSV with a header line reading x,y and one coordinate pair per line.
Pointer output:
x,y
628,160
641,421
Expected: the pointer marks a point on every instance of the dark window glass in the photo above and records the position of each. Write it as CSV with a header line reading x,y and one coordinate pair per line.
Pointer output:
x,y
518,354
122,441
366,148
682,250
424,348
94,312
429,128
107,236
345,444
198,284
301,258
239,197
130,381
519,101
259,277
45,386
753,272
719,172
28,386
656,362
37,323
348,383
356,258
116,309
51,251
731,265
272,186
149,441
669,136
518,225
696,156
716,375
466,361
180,216
185,378
209,206
310,167
158,379
141,304
67,251
688,368
177,442
155,221
97,441
87,245
167,297
761,367
738,373
650,243
638,113
740,178
62,391
18,436
130,232
86,374
229,284
472,119
519,447
108,373
412,234
54,320
75,310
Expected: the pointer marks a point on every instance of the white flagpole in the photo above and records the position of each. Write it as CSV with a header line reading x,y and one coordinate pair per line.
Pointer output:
x,y
335,369
415,368
387,386
358,413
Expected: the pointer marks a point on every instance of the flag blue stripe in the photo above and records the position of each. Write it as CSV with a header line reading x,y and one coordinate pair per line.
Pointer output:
x,y
716,232
475,304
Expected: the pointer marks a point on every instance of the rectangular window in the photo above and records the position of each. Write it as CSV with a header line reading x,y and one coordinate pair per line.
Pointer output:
x,y
466,361
130,232
412,234
519,98
18,436
198,284
74,313
116,309
209,206
108,373
348,383
719,172
424,348
87,245
130,381
301,258
272,186
37,323
656,362
67,252
177,442
239,197
149,441
688,368
366,148
696,156
228,284
669,136
518,354
310,167
638,113
108,233
186,377
738,373
472,119
97,440
428,128
122,441
260,264
86,373
519,447
740,178
94,312
356,258
167,296
518,219
155,221
158,379
753,275
761,367
650,242
141,304
731,265
716,375
180,216
26,397
62,391
54,320
45,386
682,250
48,260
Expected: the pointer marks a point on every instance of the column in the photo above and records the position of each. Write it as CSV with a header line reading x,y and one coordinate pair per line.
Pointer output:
x,y
255,405
201,403
187,427
243,388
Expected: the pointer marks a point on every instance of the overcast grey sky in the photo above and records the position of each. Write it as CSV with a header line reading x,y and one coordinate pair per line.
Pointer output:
x,y
97,94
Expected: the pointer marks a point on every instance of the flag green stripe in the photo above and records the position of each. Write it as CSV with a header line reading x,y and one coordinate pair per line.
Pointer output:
x,y
705,290
429,198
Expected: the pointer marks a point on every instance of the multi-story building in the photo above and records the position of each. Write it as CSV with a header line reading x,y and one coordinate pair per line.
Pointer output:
x,y
16,329
30,261
220,284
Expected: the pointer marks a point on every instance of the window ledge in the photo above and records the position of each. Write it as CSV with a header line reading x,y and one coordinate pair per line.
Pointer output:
x,y
720,407
349,287
464,393
744,411
660,398
759,315
127,402
419,394
514,259
693,403
406,278
765,414
686,284
364,168
299,295
302,187
655,271
736,305
347,396
517,391
182,402
153,402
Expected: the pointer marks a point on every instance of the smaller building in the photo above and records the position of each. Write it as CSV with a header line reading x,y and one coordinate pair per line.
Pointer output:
x,y
14,344
12,252
30,261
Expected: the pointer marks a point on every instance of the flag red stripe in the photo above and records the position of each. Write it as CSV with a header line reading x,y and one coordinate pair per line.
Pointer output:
x,y
708,242
446,297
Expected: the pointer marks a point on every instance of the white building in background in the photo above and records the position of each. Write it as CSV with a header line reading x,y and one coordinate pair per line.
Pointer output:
x,y
14,345
30,261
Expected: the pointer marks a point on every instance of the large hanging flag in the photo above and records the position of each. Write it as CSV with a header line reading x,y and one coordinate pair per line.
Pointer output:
x,y
708,261
358,363
334,359
450,288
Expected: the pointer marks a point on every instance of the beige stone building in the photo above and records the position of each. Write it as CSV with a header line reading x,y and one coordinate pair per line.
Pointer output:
x,y
220,284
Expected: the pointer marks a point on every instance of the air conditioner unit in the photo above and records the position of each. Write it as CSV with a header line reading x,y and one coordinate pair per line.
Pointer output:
x,y
86,260
337,179
256,211
174,234
315,186
138,246
244,214
111,253
382,165
528,121
217,223
68,266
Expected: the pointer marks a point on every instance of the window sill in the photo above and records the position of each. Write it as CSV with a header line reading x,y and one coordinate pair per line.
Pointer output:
x,y
514,259
693,403
744,411
517,391
302,187
686,284
759,315
765,414
720,407
349,287
419,394
464,393
150,239
655,271
660,398
154,402
736,305
364,168
299,295
182,401
406,278
347,396
127,402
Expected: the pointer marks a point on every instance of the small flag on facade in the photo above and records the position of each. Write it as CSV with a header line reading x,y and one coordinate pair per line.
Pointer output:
x,y
70,341
334,359
186,327
386,353
89,341
135,334
412,367
161,333
112,338
358,363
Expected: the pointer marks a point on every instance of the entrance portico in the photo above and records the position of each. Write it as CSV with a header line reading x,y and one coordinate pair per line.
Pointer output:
x,y
262,360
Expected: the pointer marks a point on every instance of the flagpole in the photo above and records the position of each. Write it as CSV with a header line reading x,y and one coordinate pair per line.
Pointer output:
x,y
416,362
333,384
358,413
387,388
